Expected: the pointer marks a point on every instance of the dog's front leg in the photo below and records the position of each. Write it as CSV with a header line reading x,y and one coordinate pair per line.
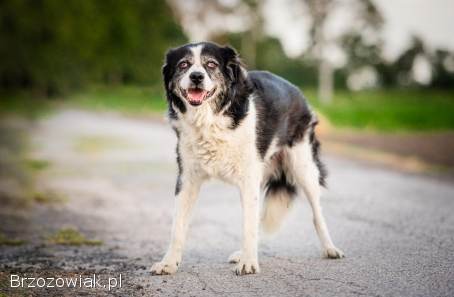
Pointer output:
x,y
184,203
248,259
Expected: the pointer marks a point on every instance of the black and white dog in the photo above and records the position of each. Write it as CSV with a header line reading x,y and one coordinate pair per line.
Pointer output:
x,y
251,129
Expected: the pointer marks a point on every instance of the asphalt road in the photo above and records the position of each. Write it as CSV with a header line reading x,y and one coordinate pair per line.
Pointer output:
x,y
118,173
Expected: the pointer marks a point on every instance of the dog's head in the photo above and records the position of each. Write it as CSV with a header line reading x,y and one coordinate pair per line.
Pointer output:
x,y
201,72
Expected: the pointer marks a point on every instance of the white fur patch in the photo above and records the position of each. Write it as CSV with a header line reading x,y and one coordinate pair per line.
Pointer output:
x,y
208,147
276,207
197,66
213,148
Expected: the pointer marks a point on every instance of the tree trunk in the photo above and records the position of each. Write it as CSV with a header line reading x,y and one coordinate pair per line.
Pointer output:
x,y
325,81
320,9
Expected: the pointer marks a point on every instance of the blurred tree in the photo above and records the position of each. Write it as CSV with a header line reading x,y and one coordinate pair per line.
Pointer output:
x,y
366,20
360,53
443,69
271,57
52,46
254,35
207,19
403,65
401,71
319,10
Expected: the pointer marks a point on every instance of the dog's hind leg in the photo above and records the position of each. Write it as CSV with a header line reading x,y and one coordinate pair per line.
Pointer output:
x,y
184,203
309,175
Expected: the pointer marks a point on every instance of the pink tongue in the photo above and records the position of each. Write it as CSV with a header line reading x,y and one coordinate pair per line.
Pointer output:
x,y
196,95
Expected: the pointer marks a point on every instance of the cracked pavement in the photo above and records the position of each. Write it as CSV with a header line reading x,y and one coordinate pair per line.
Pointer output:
x,y
118,174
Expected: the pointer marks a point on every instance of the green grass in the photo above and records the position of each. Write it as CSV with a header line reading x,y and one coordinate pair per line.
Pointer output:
x,y
125,99
69,236
8,241
134,100
36,164
390,110
48,197
93,144
379,110
25,104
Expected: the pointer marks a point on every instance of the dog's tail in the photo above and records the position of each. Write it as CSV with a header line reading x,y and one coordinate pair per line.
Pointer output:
x,y
278,201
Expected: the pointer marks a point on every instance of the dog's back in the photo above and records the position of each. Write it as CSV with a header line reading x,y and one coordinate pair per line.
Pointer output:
x,y
282,110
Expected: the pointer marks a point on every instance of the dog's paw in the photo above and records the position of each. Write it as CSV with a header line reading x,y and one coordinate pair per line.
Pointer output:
x,y
247,266
333,253
235,257
164,268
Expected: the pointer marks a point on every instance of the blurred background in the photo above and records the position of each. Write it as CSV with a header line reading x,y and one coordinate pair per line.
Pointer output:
x,y
379,73
86,159
367,65
363,63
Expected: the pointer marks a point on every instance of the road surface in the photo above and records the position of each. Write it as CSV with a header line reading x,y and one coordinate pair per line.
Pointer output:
x,y
117,175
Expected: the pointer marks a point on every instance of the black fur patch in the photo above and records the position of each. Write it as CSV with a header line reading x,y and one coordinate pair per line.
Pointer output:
x,y
280,183
282,111
238,87
179,163
168,71
316,156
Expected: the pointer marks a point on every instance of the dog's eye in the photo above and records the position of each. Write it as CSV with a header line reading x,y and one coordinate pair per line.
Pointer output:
x,y
212,65
183,65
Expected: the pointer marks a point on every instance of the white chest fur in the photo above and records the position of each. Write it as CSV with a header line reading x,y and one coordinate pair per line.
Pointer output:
x,y
209,147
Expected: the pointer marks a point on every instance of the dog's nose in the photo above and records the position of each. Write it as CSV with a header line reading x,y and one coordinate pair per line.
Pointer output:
x,y
196,77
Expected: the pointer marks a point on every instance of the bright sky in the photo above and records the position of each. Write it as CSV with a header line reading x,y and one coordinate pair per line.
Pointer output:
x,y
432,20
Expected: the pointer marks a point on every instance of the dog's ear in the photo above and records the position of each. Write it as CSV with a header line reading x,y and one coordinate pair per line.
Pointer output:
x,y
234,65
167,70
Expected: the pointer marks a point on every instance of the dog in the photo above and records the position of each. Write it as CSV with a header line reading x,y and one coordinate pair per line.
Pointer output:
x,y
251,129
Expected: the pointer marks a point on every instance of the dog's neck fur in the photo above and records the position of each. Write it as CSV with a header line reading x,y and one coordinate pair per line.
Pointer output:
x,y
205,117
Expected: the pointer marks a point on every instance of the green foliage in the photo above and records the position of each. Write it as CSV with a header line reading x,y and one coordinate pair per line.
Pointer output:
x,y
385,110
25,104
53,46
36,164
390,110
443,78
49,197
125,99
8,241
69,236
270,56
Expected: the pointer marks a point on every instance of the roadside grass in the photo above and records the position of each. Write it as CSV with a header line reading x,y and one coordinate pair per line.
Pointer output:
x,y
36,164
93,144
394,110
133,100
49,197
25,104
406,110
4,240
70,236
398,110
19,186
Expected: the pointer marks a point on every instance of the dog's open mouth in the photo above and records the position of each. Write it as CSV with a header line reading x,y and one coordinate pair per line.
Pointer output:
x,y
196,96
